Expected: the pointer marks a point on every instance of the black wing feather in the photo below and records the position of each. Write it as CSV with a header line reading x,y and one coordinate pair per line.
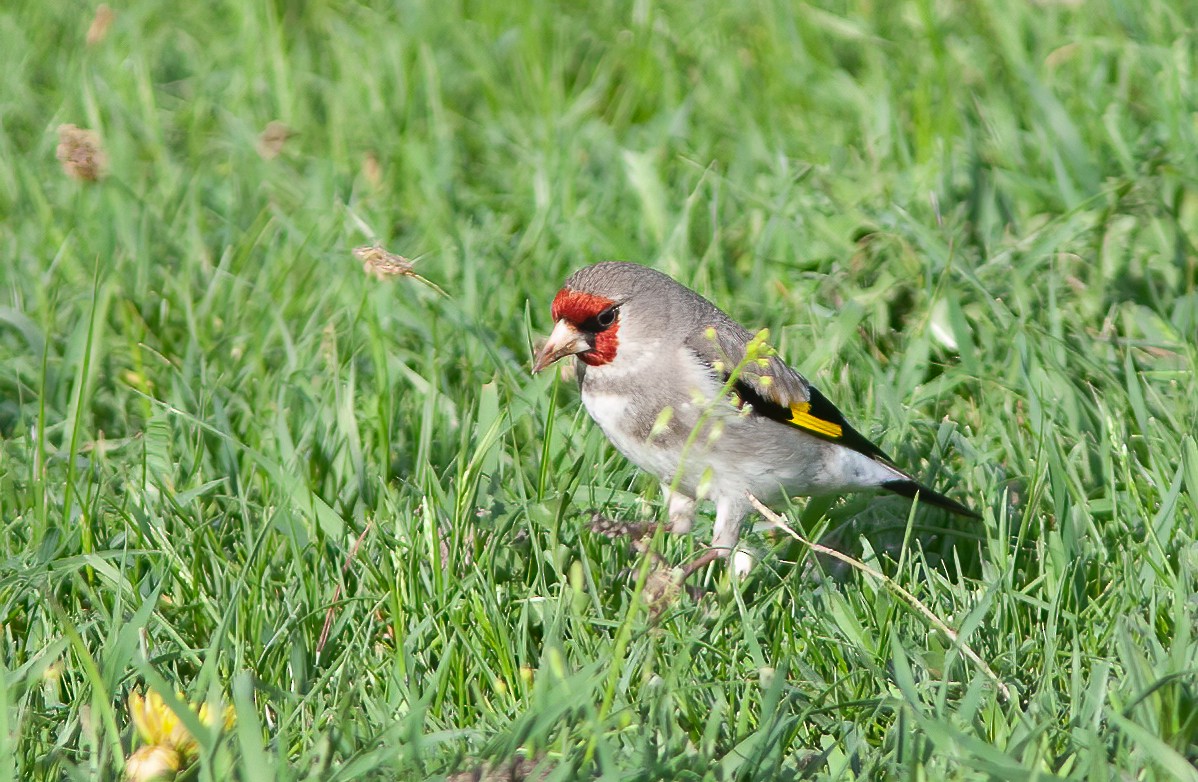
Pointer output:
x,y
822,409
793,390
911,488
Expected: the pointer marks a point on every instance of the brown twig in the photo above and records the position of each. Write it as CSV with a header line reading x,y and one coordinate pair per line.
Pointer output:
x,y
328,617
779,523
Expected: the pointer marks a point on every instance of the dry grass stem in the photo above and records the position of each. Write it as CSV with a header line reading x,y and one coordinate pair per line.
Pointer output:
x,y
328,616
372,170
780,523
101,22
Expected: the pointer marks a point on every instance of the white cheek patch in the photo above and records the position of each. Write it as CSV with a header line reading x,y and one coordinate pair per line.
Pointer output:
x,y
606,408
634,355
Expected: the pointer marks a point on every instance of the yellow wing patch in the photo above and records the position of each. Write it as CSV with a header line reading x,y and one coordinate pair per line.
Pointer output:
x,y
801,416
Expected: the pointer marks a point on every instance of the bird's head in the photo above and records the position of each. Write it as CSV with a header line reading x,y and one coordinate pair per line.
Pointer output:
x,y
606,310
586,325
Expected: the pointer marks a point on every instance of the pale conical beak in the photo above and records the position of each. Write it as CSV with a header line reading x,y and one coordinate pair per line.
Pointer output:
x,y
564,340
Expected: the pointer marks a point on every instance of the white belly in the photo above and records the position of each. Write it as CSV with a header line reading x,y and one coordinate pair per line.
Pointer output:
x,y
731,454
654,455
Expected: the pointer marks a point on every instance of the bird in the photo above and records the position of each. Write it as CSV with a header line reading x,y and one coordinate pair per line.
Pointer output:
x,y
692,397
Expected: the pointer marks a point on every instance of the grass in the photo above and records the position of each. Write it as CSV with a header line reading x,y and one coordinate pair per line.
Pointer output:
x,y
971,224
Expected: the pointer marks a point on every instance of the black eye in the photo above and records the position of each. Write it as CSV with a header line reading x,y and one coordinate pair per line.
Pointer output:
x,y
606,319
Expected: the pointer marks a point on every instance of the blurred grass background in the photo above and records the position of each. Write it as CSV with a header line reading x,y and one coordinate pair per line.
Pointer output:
x,y
971,224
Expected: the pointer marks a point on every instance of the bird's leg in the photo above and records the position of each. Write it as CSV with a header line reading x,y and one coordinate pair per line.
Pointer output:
x,y
729,513
681,510
709,556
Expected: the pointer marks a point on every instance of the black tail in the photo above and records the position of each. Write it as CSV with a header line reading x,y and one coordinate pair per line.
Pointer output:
x,y
926,495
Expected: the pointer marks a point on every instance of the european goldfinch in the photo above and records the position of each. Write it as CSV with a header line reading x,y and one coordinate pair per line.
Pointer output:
x,y
695,399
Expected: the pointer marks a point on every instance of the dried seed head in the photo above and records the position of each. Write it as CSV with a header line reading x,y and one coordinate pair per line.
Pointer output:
x,y
662,588
272,139
81,154
381,264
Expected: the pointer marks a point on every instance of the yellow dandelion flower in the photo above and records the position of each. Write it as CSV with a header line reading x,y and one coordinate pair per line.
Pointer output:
x,y
158,725
153,719
228,717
